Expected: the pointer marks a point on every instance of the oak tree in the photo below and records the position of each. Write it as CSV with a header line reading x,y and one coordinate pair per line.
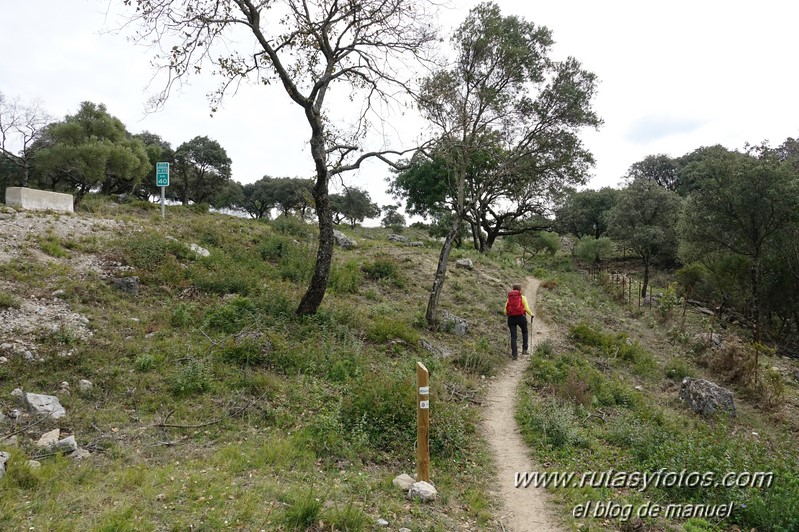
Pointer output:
x,y
503,96
645,219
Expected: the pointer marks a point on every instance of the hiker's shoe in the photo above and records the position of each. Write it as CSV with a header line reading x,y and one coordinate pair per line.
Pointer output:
x,y
514,357
525,353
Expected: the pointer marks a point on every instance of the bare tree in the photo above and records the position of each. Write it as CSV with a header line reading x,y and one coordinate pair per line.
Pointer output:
x,y
307,46
20,126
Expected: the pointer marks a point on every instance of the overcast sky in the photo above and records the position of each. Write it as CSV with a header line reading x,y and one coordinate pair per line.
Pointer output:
x,y
674,76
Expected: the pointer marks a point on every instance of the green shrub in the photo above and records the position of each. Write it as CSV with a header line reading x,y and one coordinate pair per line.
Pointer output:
x,y
452,433
347,519
243,353
147,362
476,361
302,512
297,264
232,316
325,433
592,249
610,345
544,349
223,274
292,225
677,369
277,304
198,208
147,250
345,278
9,301
385,328
182,315
273,247
384,407
551,422
383,269
191,378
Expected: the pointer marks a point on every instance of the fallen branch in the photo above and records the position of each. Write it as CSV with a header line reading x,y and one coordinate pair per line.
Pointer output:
x,y
26,427
233,413
455,393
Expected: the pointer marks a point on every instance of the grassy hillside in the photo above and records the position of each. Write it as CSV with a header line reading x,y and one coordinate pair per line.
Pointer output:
x,y
604,396
213,406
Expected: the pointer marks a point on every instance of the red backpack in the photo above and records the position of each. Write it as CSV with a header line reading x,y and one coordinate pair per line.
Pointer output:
x,y
515,306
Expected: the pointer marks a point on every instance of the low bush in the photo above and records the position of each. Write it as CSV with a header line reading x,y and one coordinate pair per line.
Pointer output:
x,y
384,269
385,328
292,225
610,345
476,362
677,369
232,316
551,422
191,378
223,274
148,250
8,301
243,353
345,278
383,405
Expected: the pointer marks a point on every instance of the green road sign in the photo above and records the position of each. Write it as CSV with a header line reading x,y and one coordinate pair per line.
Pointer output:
x,y
162,174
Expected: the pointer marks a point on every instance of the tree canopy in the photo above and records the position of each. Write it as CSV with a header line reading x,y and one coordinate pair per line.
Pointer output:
x,y
645,219
201,170
511,114
741,204
585,212
90,149
354,205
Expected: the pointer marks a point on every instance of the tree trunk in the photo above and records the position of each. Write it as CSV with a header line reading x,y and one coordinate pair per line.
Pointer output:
x,y
755,273
475,235
489,243
646,279
324,254
441,272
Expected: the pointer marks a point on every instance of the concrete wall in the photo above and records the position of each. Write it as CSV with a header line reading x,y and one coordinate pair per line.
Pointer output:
x,y
38,200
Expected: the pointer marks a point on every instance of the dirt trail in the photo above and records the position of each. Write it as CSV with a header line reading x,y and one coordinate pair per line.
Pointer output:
x,y
524,509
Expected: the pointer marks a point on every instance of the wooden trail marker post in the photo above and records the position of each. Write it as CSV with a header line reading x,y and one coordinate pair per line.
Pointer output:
x,y
422,423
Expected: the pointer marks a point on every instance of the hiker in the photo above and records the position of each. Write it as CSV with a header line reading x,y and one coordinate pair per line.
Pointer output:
x,y
516,309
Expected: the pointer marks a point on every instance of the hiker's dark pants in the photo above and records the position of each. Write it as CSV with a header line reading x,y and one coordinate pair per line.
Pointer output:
x,y
521,321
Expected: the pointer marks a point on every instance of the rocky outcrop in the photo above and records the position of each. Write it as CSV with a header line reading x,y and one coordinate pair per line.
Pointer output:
x,y
4,457
404,481
199,250
452,323
127,284
48,405
706,398
343,240
465,263
423,491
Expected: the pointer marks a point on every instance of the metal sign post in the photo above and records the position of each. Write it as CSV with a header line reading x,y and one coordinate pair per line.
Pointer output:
x,y
162,180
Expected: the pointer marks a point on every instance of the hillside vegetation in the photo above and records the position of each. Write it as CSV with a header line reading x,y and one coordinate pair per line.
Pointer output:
x,y
213,405
604,397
